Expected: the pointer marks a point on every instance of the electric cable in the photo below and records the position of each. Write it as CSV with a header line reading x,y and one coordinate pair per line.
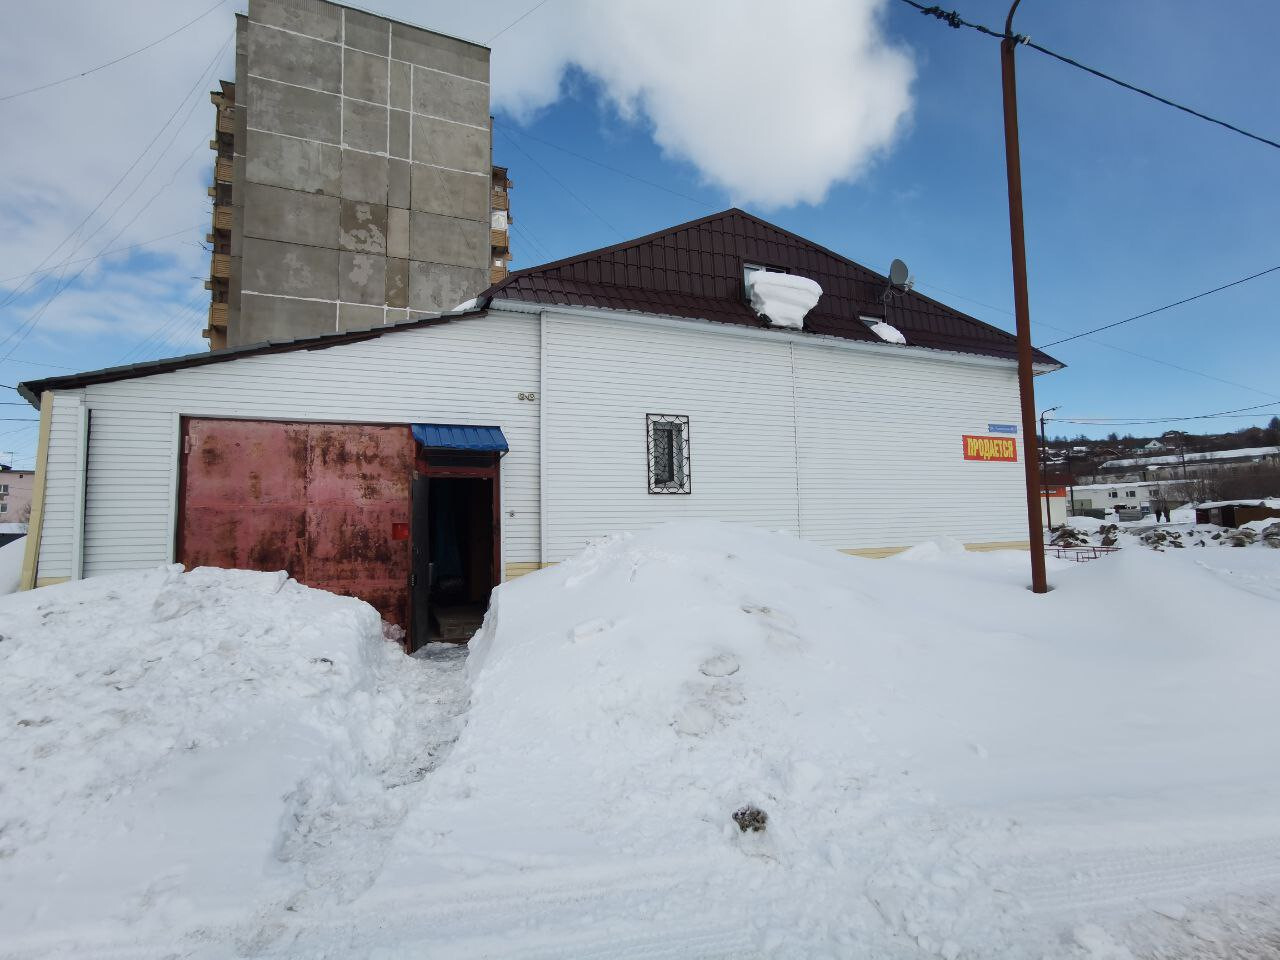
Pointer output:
x,y
954,20
109,63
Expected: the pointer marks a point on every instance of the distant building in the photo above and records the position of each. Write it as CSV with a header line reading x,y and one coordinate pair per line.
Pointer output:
x,y
1155,446
15,494
1108,496
1233,513
353,184
1053,497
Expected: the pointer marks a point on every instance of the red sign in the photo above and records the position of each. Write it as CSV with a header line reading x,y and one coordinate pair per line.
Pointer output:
x,y
1054,491
1004,449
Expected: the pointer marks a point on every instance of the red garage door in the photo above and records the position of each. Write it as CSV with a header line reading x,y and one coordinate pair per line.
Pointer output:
x,y
329,503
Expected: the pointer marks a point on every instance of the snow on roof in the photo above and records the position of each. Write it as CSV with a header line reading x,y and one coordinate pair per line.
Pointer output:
x,y
1243,453
1116,486
886,331
782,298
1272,502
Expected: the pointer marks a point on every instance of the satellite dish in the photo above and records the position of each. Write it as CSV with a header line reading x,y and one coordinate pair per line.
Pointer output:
x,y
898,274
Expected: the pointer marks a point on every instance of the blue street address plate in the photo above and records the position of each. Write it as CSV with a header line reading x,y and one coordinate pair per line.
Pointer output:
x,y
1002,428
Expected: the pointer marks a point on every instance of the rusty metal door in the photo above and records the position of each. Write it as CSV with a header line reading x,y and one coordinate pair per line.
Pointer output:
x,y
329,503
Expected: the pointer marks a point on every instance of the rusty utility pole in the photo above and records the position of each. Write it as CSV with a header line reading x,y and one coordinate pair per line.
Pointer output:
x,y
1013,164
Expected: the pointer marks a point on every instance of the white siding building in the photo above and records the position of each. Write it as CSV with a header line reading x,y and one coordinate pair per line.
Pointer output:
x,y
837,437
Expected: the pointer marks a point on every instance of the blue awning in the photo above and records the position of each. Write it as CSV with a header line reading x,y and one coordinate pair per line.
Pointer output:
x,y
453,436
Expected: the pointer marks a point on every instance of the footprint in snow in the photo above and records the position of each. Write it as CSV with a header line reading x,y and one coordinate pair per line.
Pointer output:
x,y
721,665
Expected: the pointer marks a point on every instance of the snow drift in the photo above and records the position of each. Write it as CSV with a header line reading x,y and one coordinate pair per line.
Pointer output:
x,y
935,747
218,764
178,746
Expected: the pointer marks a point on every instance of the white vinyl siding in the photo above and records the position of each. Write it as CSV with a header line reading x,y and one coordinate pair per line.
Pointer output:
x,y
604,377
853,446
468,372
127,503
881,461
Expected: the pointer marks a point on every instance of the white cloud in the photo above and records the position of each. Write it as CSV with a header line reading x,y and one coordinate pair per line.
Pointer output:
x,y
66,146
772,102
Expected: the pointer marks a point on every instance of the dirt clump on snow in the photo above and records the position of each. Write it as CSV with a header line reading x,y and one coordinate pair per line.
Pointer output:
x,y
750,818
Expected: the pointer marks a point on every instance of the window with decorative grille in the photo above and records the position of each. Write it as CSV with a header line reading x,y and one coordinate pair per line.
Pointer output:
x,y
668,442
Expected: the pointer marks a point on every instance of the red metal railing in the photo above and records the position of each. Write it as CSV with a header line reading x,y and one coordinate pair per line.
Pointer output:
x,y
1079,554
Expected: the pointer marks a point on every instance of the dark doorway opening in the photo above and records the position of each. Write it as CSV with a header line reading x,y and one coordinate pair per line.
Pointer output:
x,y
456,538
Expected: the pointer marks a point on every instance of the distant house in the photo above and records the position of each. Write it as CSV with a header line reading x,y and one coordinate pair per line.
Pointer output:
x,y
1155,446
723,368
15,494
1233,513
1109,496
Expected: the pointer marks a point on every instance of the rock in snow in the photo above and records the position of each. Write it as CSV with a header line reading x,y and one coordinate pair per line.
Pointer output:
x,y
223,764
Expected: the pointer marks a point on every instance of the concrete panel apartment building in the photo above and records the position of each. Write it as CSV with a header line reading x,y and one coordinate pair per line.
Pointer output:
x,y
353,183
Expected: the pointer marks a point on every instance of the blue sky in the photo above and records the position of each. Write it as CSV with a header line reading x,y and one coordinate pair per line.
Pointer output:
x,y
1129,204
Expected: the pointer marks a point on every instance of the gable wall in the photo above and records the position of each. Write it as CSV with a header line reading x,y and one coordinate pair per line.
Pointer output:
x,y
858,450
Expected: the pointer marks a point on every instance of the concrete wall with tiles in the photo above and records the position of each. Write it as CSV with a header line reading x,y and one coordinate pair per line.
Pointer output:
x,y
361,190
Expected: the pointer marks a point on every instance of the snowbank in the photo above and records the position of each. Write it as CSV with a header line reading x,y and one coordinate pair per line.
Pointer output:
x,y
11,565
224,765
931,742
184,746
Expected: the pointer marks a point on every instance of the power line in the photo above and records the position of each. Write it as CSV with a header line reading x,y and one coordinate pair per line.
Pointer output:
x,y
37,363
115,186
590,209
23,330
515,21
109,63
618,170
1167,306
185,313
954,20
1134,421
104,253
1101,343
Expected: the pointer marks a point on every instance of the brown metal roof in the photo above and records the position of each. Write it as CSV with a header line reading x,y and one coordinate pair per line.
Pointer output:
x,y
695,270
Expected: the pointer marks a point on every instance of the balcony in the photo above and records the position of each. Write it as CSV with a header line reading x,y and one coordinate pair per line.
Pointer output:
x,y
221,266
226,121
217,315
222,217
498,239
223,170
497,274
500,200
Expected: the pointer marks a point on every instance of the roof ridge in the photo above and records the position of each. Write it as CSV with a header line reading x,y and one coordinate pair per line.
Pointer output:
x,y
612,248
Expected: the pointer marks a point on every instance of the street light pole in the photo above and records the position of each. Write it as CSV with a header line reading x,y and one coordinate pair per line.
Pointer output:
x,y
1022,311
1044,443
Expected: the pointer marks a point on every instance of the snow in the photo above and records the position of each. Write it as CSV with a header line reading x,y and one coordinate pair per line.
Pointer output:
x,y
219,764
11,564
1241,454
184,747
782,298
1271,502
886,332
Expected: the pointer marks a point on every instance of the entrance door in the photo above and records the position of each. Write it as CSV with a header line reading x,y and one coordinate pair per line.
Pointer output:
x,y
456,543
